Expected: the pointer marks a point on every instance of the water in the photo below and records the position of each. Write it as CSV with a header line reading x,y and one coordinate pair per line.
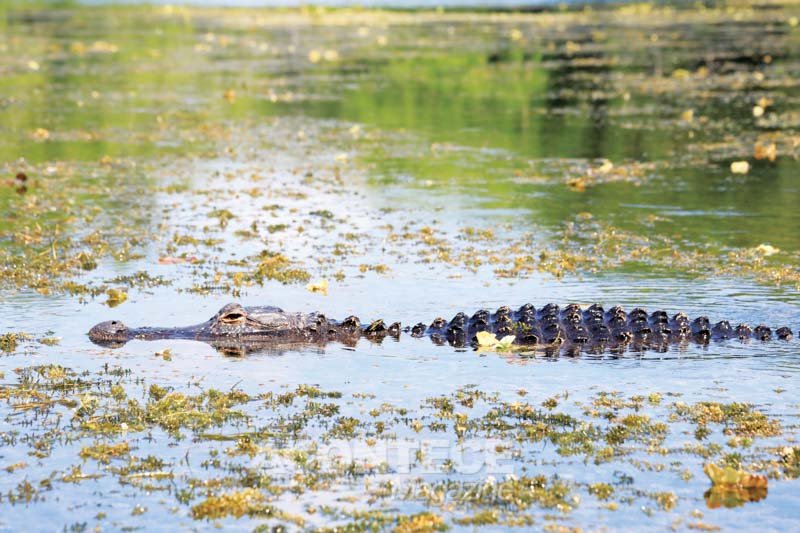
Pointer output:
x,y
334,3
423,164
399,4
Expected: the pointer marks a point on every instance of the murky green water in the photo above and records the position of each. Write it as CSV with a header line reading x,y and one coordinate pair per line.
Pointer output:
x,y
421,163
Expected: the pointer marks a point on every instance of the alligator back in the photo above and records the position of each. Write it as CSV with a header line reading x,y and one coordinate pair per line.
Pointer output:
x,y
551,325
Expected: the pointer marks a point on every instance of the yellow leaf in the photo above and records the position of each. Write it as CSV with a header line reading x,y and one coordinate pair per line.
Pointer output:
x,y
506,343
40,134
320,286
486,339
732,477
740,167
766,250
765,151
577,184
606,167
572,47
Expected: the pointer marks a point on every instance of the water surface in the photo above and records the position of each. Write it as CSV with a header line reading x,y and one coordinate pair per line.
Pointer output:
x,y
422,164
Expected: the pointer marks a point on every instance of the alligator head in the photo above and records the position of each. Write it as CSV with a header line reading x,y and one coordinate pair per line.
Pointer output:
x,y
110,332
231,322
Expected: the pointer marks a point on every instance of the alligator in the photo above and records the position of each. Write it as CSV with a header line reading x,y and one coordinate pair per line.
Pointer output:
x,y
236,328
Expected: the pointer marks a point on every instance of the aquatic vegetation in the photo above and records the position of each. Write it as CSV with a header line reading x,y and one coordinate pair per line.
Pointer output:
x,y
10,341
237,504
276,266
104,452
57,241
113,416
790,457
420,522
732,487
738,419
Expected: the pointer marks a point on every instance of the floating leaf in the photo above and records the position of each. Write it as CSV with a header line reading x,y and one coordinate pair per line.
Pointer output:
x,y
732,487
606,167
320,286
740,167
40,134
731,477
766,250
489,341
790,457
486,339
765,151
577,184
506,343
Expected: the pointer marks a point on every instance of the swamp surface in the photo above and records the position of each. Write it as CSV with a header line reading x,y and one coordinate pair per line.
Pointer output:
x,y
159,162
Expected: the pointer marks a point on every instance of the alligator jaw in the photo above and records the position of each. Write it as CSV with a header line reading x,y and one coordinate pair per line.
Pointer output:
x,y
153,334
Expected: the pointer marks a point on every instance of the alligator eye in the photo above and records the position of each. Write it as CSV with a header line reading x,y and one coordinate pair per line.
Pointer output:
x,y
232,317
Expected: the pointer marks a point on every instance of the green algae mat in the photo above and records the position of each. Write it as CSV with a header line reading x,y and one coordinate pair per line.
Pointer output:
x,y
159,162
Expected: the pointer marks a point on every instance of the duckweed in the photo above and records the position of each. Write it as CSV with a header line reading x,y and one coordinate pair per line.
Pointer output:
x,y
237,504
105,452
111,420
